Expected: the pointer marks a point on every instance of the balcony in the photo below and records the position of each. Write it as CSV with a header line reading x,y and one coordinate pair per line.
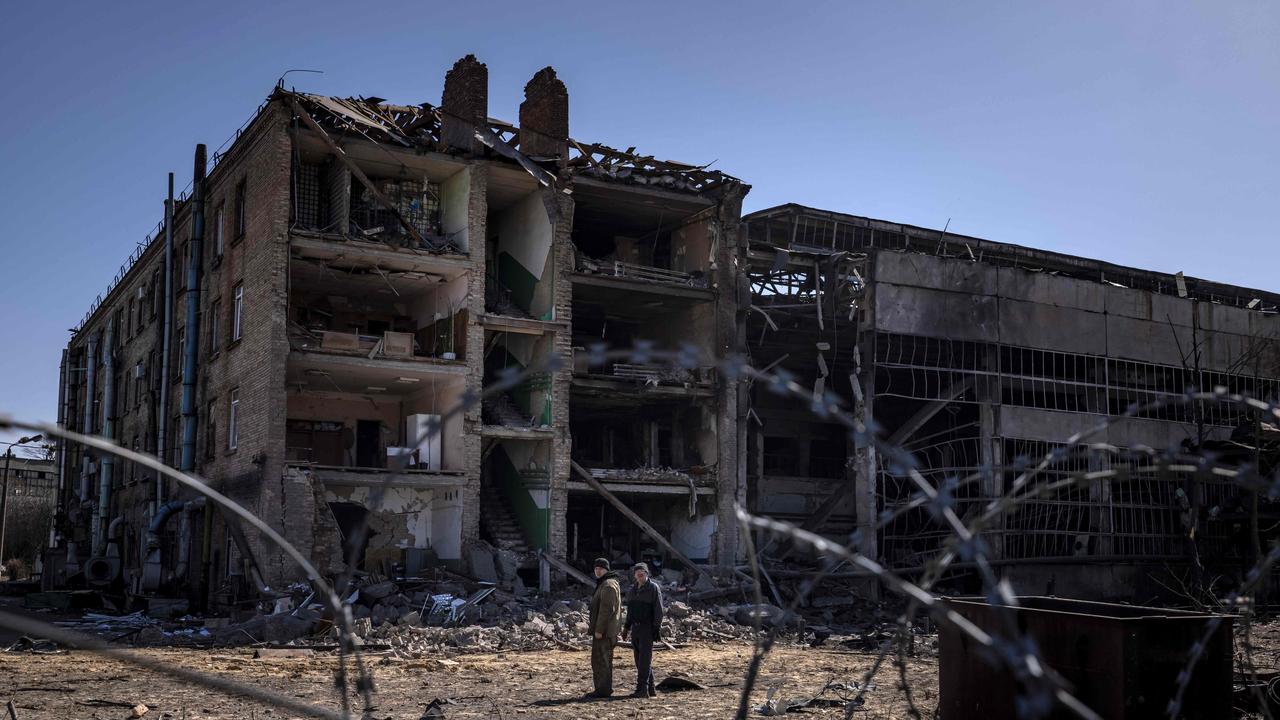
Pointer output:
x,y
698,480
604,280
652,380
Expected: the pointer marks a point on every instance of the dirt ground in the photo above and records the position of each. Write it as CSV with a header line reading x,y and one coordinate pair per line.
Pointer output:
x,y
535,684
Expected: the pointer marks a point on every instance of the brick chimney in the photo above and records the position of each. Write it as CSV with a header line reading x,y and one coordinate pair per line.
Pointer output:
x,y
544,116
465,104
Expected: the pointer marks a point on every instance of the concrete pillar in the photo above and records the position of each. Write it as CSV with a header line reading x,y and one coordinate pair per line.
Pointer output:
x,y
732,299
544,116
465,104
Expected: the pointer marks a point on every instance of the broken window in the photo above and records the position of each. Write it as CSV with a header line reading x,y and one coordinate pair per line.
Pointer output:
x,y
310,197
180,267
139,382
780,456
416,201
215,329
175,355
240,210
156,294
211,430
219,228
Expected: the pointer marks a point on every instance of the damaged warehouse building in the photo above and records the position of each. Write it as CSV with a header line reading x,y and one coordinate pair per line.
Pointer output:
x,y
981,358
347,272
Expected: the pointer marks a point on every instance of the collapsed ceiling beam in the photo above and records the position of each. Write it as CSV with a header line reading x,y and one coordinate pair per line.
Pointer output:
x,y
630,514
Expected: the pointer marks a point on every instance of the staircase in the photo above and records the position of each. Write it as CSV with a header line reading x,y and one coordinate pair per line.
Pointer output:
x,y
498,301
499,522
502,410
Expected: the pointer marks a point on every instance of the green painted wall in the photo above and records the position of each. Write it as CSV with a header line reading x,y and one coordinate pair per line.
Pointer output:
x,y
535,521
516,278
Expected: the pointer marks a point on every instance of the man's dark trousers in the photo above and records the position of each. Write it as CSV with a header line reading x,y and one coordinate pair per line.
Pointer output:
x,y
642,649
602,665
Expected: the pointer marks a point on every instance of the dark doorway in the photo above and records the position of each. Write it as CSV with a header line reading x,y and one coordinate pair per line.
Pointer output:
x,y
368,443
353,523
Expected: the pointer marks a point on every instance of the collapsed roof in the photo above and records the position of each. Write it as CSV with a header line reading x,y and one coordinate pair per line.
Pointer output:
x,y
418,127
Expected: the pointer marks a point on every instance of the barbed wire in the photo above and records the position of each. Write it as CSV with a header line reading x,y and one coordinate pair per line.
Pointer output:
x,y
1041,690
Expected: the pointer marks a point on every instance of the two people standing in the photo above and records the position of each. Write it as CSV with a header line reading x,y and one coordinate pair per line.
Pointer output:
x,y
643,625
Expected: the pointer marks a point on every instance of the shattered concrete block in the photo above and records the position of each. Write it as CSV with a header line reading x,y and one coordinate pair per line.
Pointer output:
x,y
508,563
413,617
361,626
677,609
768,614
482,565
377,591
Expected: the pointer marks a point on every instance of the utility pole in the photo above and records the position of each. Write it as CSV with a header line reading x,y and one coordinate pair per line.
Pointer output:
x,y
4,502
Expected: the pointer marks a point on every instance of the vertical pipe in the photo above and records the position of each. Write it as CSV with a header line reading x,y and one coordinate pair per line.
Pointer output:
x,y
162,416
99,526
64,420
91,374
205,546
193,314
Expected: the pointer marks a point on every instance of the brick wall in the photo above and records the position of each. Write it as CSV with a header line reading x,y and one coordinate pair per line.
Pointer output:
x,y
562,247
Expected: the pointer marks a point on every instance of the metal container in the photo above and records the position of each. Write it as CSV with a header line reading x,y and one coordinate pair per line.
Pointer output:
x,y
1120,660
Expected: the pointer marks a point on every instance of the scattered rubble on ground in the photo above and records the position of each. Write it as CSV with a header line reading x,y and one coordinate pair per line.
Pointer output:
x,y
449,613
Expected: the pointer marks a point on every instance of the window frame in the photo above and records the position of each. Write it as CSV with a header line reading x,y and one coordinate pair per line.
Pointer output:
x,y
237,312
215,327
233,420
211,430
219,231
240,211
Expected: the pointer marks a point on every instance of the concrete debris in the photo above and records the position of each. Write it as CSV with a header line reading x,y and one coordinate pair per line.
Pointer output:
x,y
847,695
413,618
678,681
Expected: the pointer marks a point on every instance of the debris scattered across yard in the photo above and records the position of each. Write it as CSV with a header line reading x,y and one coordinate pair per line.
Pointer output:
x,y
414,616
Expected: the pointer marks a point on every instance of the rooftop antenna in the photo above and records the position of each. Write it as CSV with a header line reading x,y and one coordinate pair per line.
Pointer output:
x,y
280,80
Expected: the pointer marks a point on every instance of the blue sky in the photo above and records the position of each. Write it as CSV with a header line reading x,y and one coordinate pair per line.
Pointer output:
x,y
1142,133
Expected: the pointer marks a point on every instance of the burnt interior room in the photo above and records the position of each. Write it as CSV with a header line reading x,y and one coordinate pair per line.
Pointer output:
x,y
596,529
369,302
632,225
646,435
621,320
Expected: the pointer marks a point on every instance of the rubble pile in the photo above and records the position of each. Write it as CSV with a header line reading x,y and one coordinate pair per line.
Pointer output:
x,y
452,614
539,625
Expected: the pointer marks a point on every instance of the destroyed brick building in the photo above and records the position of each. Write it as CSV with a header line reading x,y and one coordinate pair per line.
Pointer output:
x,y
341,275
346,272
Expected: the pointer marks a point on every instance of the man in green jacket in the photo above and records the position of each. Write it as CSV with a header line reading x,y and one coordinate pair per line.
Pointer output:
x,y
605,619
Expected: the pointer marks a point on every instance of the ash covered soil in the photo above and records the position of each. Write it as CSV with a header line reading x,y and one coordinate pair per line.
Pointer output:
x,y
514,684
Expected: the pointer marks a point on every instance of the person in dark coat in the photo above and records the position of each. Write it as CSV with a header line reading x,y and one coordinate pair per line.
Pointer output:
x,y
644,625
603,623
